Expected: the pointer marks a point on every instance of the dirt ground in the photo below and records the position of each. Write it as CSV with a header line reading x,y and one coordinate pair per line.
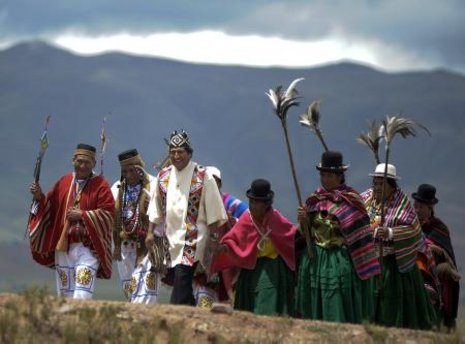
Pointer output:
x,y
35,316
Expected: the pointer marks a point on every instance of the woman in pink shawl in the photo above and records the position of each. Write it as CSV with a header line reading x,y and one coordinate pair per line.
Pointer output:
x,y
261,244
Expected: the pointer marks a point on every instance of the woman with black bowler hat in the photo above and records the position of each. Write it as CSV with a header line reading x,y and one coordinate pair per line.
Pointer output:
x,y
331,282
437,238
261,244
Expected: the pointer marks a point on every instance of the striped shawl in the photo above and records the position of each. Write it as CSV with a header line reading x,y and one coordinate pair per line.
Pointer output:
x,y
345,204
406,230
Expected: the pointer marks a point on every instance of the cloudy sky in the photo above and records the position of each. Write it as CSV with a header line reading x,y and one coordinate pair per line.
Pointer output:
x,y
393,35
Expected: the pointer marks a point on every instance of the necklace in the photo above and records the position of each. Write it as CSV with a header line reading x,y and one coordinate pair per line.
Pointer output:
x,y
133,220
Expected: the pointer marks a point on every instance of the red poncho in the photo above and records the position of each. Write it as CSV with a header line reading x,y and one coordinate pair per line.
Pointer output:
x,y
98,206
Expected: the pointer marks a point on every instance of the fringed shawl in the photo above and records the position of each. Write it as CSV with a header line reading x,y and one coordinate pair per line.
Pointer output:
x,y
406,230
347,206
243,238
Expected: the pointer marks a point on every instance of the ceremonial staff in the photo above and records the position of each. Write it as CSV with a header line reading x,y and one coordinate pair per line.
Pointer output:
x,y
372,139
391,126
42,148
311,119
166,161
282,101
103,145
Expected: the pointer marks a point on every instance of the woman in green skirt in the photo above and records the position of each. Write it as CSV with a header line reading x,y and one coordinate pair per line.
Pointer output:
x,y
333,273
261,244
401,299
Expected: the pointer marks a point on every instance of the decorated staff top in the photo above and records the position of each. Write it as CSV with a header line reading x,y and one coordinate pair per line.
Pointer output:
x,y
311,120
282,100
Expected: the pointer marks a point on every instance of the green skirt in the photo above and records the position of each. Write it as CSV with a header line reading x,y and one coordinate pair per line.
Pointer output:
x,y
268,289
403,300
328,288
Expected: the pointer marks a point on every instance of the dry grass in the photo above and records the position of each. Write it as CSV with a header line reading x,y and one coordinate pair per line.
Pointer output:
x,y
36,316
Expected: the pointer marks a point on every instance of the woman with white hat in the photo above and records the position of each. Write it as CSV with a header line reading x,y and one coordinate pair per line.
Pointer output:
x,y
401,299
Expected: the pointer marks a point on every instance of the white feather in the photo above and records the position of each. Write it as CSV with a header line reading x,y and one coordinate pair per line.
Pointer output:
x,y
290,92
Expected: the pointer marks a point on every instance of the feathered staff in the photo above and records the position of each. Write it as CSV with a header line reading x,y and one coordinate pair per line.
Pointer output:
x,y
392,126
282,101
103,145
311,119
372,139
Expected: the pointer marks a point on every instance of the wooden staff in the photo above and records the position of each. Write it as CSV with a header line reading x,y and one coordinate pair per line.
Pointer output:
x,y
282,101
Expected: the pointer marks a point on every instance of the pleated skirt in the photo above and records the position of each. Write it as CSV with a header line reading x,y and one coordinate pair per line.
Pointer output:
x,y
403,300
328,288
268,289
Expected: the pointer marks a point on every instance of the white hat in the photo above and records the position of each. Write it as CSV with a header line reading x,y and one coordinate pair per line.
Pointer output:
x,y
214,171
391,171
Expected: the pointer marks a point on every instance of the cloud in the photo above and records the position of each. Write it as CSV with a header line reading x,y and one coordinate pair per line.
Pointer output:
x,y
428,30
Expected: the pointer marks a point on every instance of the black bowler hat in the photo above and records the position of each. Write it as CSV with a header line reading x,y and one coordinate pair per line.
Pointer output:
x,y
260,190
426,193
331,161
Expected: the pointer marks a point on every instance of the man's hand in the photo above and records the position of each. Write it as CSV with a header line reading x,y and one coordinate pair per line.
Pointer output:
x,y
117,254
149,239
74,215
36,191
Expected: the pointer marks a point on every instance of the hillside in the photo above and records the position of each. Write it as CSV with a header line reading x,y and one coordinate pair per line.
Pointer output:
x,y
230,122
35,316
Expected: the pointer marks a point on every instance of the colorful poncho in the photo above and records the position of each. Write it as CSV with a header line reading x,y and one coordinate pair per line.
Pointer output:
x,y
46,227
401,217
347,206
234,206
243,241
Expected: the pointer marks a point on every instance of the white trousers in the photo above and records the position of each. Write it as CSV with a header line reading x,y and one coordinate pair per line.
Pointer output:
x,y
204,296
76,272
139,284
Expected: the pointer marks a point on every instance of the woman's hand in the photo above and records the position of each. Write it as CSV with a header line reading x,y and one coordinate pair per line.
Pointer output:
x,y
301,214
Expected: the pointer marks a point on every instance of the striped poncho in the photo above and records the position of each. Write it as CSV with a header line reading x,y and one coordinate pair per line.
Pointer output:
x,y
401,217
347,206
49,226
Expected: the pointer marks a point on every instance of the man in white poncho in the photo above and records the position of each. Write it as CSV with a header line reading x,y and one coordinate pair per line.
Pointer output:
x,y
188,201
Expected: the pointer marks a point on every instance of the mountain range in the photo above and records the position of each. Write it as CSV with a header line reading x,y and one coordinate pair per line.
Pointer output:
x,y
229,120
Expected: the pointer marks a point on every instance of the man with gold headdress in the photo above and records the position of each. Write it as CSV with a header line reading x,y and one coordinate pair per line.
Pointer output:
x,y
188,201
70,227
132,195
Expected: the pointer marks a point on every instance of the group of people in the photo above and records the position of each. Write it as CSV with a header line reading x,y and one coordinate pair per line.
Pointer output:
x,y
350,257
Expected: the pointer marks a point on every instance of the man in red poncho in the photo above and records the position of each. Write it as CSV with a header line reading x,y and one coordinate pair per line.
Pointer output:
x,y
70,227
